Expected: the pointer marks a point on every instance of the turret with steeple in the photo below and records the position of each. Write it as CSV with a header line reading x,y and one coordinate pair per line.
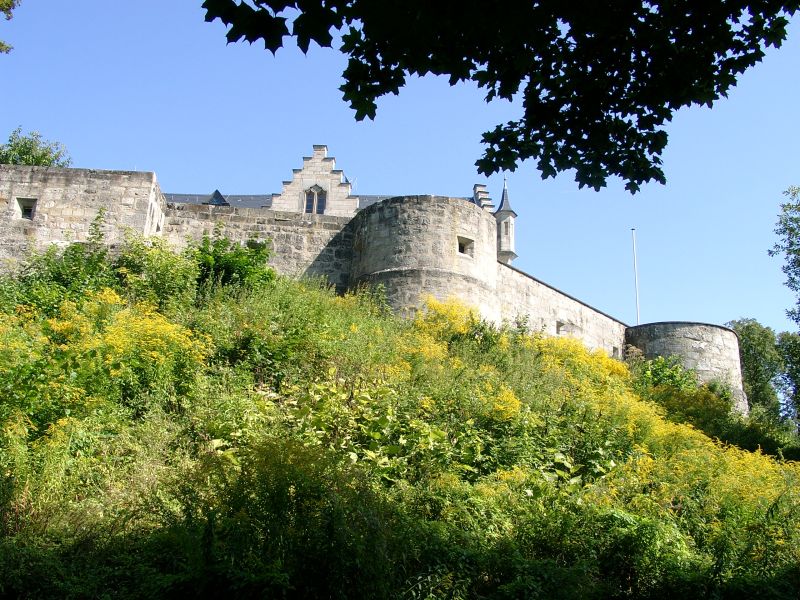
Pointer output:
x,y
505,216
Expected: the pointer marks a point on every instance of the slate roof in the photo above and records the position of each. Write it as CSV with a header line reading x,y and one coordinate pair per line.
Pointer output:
x,y
217,199
240,200
257,200
260,200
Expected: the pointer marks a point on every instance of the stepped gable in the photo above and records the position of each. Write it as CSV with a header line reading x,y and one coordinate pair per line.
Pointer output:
x,y
317,178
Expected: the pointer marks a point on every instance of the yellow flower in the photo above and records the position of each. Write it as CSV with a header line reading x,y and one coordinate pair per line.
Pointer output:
x,y
445,319
506,404
503,342
106,296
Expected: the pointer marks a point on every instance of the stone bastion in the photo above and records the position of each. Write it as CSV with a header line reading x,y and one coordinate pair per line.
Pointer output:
x,y
712,351
427,245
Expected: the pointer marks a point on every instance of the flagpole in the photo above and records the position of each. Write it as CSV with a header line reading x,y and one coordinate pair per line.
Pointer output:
x,y
635,274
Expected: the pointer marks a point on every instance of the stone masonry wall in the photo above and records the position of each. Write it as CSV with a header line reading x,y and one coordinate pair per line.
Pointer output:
x,y
66,203
711,350
554,313
302,245
420,245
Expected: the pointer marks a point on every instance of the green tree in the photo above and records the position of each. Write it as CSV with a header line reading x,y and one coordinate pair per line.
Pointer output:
x,y
762,364
788,344
789,349
598,80
33,150
788,245
6,6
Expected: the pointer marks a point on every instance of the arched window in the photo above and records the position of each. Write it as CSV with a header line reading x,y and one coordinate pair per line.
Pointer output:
x,y
316,199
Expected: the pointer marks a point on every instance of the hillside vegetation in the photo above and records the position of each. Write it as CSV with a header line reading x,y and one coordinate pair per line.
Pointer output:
x,y
189,424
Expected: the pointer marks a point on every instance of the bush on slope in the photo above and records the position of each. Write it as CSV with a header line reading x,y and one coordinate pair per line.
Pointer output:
x,y
272,439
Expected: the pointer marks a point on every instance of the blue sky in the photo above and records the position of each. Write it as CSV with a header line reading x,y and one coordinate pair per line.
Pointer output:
x,y
149,85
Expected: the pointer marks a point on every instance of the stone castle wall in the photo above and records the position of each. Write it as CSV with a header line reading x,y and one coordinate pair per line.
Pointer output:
x,y
66,201
555,313
447,247
303,245
414,246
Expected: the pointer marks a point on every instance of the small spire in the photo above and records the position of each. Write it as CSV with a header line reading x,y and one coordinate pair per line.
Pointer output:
x,y
505,203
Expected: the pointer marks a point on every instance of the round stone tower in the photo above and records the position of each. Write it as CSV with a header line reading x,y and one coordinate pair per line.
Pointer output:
x,y
420,245
711,350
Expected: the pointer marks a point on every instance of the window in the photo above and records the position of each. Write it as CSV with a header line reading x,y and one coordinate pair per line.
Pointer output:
x,y
27,207
505,229
316,199
567,328
466,246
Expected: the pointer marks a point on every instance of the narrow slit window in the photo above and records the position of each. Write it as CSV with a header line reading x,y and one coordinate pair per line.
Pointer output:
x,y
321,198
27,208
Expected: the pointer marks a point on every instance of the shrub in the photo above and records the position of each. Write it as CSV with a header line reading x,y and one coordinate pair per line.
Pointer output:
x,y
56,274
660,371
223,262
152,272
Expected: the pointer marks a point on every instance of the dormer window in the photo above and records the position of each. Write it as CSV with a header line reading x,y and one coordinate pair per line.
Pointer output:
x,y
315,200
217,199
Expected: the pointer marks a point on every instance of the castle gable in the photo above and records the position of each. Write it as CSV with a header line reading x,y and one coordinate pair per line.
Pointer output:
x,y
318,188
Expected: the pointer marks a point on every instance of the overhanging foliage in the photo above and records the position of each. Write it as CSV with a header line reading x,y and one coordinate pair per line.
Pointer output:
x,y
597,81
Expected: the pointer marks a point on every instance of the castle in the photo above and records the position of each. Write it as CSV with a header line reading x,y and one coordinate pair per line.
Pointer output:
x,y
413,245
